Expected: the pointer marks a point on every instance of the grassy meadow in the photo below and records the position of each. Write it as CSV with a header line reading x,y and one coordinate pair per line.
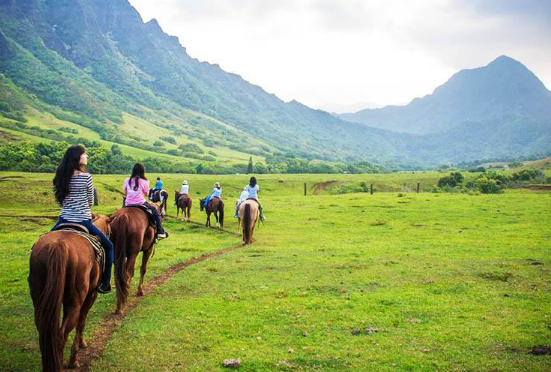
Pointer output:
x,y
395,281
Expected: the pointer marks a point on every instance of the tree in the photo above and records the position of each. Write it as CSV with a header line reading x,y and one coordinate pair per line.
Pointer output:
x,y
250,166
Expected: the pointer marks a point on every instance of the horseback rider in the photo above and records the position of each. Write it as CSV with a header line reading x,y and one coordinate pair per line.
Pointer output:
x,y
158,187
244,196
184,190
74,192
135,189
216,193
253,189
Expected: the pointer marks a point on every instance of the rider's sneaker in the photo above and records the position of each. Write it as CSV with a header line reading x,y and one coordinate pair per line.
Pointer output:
x,y
162,235
104,289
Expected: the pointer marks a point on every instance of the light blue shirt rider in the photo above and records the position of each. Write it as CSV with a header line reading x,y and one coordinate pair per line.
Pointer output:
x,y
217,192
159,185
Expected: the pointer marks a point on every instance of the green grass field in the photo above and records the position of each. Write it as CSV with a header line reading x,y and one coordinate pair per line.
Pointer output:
x,y
395,281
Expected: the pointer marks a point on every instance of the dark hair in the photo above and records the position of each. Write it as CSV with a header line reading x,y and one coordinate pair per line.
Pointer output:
x,y
159,178
137,172
69,164
252,182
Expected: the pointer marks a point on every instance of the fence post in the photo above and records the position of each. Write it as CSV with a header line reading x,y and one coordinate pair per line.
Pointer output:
x,y
418,185
371,189
96,201
305,189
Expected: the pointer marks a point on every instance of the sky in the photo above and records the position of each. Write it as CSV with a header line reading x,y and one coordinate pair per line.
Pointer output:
x,y
342,52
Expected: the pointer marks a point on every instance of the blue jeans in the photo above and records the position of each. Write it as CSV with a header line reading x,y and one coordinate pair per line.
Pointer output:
x,y
105,242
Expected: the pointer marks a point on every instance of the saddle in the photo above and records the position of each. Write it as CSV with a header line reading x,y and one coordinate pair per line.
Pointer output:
x,y
180,197
95,242
148,213
253,199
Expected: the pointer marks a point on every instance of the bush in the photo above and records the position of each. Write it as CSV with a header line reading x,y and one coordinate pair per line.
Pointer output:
x,y
453,180
488,186
169,140
191,147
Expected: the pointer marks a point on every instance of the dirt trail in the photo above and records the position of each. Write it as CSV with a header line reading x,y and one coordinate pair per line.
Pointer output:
x,y
97,342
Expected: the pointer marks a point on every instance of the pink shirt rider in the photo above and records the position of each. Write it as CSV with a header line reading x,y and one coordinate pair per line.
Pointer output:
x,y
134,197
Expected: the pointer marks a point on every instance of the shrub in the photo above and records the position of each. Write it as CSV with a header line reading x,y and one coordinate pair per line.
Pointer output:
x,y
453,180
488,186
169,139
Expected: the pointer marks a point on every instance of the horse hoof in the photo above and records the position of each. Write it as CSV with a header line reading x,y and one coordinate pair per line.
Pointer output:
x,y
83,345
73,365
139,293
118,312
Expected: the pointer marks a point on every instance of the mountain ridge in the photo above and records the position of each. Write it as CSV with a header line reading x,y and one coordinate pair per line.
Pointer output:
x,y
95,62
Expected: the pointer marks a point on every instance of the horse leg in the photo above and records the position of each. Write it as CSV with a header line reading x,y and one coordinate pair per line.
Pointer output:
x,y
79,341
208,220
177,211
143,270
130,263
71,314
217,223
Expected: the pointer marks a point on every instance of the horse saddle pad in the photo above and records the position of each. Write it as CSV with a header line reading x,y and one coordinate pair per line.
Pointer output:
x,y
148,213
94,241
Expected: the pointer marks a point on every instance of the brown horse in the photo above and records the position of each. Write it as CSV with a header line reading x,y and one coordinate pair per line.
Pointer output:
x,y
247,217
160,197
216,206
183,203
130,234
63,272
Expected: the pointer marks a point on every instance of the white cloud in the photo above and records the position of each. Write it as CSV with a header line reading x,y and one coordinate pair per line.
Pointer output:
x,y
343,51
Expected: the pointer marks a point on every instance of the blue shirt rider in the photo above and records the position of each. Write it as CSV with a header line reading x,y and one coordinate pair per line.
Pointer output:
x,y
158,187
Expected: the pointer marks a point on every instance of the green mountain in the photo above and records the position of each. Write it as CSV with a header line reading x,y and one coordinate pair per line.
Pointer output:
x,y
503,92
92,70
98,60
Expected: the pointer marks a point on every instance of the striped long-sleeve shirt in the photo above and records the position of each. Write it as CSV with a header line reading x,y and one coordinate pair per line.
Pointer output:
x,y
77,205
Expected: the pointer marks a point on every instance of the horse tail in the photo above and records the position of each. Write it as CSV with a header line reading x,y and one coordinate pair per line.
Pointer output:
x,y
221,213
48,308
121,247
247,223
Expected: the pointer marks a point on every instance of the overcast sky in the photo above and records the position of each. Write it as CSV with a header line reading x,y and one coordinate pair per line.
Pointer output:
x,y
345,51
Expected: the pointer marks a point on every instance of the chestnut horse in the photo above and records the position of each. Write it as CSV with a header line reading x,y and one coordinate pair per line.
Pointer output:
x,y
247,217
184,203
162,197
63,272
130,234
216,206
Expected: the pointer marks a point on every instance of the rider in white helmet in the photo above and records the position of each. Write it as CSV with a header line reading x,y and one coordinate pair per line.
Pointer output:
x,y
185,188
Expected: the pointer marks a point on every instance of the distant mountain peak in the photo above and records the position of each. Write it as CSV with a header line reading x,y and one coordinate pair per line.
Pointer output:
x,y
504,91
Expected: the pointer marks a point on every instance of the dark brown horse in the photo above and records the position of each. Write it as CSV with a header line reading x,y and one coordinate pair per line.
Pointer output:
x,y
63,272
247,217
160,197
216,206
183,203
131,234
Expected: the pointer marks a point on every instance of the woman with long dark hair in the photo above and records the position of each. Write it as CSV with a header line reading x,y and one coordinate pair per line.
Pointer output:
x,y
253,190
136,188
74,192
